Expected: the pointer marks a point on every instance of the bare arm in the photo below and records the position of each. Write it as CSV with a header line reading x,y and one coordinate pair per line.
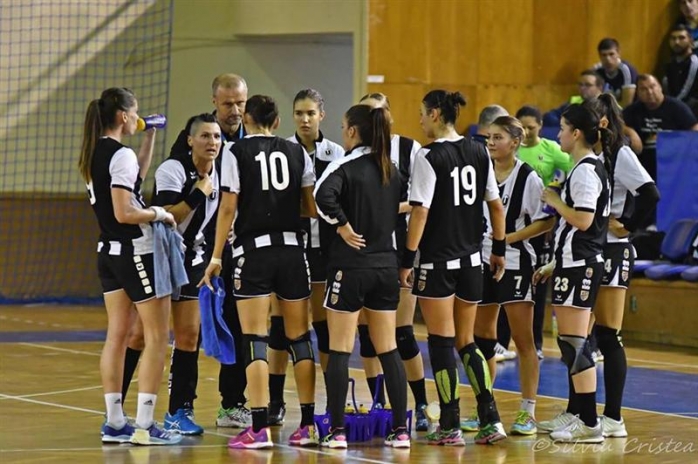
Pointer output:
x,y
582,220
125,212
634,139
405,207
226,214
415,229
532,230
627,96
145,154
308,207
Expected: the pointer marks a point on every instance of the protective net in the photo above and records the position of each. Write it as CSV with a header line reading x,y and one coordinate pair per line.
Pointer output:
x,y
56,56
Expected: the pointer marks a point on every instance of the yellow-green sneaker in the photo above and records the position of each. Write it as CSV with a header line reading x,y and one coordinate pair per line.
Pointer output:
x,y
524,424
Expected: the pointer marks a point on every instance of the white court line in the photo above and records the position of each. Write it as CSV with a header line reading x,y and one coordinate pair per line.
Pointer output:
x,y
59,392
66,350
108,448
46,403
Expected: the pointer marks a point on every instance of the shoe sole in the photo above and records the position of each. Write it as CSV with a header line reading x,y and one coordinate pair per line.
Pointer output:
x,y
491,440
188,434
399,444
523,432
595,440
252,446
622,434
334,446
147,440
306,443
116,440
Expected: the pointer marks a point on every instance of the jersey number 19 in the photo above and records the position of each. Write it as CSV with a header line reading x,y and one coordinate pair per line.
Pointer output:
x,y
464,178
275,170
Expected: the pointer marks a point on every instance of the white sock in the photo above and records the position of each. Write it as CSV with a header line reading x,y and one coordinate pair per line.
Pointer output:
x,y
529,406
115,410
146,407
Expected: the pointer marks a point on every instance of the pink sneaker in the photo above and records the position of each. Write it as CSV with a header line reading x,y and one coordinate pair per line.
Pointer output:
x,y
248,439
304,436
398,439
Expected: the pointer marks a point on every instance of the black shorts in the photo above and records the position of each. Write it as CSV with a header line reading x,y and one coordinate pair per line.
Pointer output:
x,y
317,262
276,269
465,283
349,290
515,286
619,262
132,273
577,286
195,273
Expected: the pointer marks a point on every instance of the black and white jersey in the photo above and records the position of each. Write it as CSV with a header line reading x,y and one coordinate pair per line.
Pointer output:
x,y
452,178
628,176
325,152
175,179
350,190
521,195
116,166
625,77
587,189
267,173
403,151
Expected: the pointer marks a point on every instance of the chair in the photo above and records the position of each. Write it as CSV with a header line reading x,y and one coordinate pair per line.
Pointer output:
x,y
676,249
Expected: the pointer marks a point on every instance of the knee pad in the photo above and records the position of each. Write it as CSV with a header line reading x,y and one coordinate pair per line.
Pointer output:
x,y
277,334
301,348
367,349
576,353
406,343
323,336
608,339
441,352
486,346
255,348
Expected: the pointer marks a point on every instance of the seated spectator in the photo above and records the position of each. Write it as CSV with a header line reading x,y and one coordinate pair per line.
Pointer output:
x,y
652,113
681,79
590,86
487,117
619,75
689,17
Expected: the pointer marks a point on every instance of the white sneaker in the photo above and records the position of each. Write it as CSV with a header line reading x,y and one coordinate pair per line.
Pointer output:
x,y
502,354
578,432
558,422
613,428
597,356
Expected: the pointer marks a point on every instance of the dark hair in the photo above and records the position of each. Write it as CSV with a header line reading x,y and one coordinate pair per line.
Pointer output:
x,y
606,105
448,102
196,121
586,120
681,27
373,126
528,110
600,81
608,44
381,97
645,77
263,110
101,114
310,94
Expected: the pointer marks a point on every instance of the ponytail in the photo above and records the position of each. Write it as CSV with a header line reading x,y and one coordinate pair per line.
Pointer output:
x,y
609,153
92,132
380,143
448,103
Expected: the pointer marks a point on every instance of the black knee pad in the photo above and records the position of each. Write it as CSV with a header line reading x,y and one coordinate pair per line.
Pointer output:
x,y
255,348
406,343
367,349
609,340
576,353
323,336
301,348
486,346
277,334
441,352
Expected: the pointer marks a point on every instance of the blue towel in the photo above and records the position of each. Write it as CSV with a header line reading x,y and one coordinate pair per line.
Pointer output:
x,y
216,338
168,260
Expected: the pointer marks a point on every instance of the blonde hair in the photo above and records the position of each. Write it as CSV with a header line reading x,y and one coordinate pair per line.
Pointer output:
x,y
511,126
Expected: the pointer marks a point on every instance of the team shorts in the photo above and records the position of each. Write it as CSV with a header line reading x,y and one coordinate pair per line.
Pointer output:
x,y
276,269
133,273
619,262
577,286
349,290
317,262
515,286
465,283
195,273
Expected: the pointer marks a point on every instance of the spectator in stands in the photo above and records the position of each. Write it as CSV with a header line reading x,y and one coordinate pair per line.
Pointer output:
x,y
652,113
681,79
487,117
620,76
590,84
689,17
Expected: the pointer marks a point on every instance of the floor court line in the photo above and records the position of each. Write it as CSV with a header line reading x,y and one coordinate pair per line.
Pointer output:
x,y
96,448
66,350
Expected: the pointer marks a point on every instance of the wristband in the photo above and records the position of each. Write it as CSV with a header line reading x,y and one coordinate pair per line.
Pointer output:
x,y
217,261
408,256
499,247
160,213
195,198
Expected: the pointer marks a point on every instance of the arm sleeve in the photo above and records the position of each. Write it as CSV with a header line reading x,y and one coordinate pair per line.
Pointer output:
x,y
124,169
491,188
423,181
413,156
585,188
629,76
684,116
628,170
308,179
327,193
169,182
230,173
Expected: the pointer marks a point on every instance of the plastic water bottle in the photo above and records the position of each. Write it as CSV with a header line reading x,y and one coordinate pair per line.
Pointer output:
x,y
157,121
559,177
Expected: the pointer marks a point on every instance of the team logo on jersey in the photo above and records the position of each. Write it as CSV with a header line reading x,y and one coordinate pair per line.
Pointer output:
x,y
584,295
505,200
338,276
624,276
334,298
589,272
328,152
421,285
213,195
241,261
237,284
626,253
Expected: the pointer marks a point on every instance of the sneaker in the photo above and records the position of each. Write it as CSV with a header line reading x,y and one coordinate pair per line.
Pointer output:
x,y
578,432
524,424
490,433
398,438
182,422
304,436
238,417
452,437
613,428
248,439
276,413
336,439
597,356
154,436
112,435
421,423
470,423
558,422
502,354
540,354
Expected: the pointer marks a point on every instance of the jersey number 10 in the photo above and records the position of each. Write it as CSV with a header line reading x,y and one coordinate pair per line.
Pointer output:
x,y
464,179
276,170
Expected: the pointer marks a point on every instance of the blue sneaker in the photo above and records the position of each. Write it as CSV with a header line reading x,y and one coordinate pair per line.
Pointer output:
x,y
182,422
112,435
421,423
154,436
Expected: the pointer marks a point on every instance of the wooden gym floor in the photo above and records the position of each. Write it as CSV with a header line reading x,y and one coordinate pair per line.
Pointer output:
x,y
51,406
